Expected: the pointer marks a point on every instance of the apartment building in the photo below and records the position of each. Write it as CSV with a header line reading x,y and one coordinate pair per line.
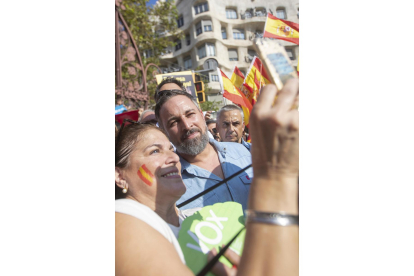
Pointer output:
x,y
219,33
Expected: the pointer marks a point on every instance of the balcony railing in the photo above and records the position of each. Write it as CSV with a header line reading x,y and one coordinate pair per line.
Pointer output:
x,y
256,35
166,51
248,58
171,69
249,13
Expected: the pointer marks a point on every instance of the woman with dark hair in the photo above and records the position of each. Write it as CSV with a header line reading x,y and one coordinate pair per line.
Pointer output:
x,y
148,181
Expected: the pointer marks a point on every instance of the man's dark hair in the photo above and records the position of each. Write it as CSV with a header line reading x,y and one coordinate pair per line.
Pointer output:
x,y
168,80
165,97
211,122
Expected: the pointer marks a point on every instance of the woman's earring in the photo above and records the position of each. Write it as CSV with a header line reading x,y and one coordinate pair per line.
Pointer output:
x,y
124,190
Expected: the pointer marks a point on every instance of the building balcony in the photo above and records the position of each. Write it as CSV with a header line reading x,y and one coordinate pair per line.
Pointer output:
x,y
250,13
248,58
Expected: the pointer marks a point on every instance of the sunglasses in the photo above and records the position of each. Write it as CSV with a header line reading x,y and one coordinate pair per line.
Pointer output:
x,y
151,122
168,92
214,130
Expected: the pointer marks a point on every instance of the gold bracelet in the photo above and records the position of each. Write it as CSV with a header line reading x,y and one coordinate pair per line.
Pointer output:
x,y
281,218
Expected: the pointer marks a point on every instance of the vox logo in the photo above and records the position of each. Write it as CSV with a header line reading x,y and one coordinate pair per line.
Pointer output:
x,y
214,225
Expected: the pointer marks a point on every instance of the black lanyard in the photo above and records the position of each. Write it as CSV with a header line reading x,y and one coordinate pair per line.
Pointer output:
x,y
212,187
213,261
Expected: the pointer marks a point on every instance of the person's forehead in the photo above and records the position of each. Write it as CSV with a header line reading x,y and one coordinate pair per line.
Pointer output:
x,y
170,86
152,136
177,105
231,114
211,125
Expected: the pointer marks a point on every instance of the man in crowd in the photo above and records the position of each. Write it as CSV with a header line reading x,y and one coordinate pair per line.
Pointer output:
x,y
204,161
230,124
211,125
120,107
148,116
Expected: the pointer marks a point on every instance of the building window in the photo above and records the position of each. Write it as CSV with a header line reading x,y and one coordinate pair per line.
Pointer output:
x,y
223,33
177,45
188,39
214,78
187,63
290,54
281,13
238,34
199,30
231,14
233,55
180,21
201,8
210,63
207,50
207,25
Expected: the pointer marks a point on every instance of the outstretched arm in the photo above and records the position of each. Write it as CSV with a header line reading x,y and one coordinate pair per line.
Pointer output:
x,y
272,249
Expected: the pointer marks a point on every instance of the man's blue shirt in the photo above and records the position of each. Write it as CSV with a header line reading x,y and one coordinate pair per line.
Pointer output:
x,y
246,144
233,157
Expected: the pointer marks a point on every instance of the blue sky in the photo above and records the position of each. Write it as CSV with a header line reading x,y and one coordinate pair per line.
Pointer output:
x,y
151,2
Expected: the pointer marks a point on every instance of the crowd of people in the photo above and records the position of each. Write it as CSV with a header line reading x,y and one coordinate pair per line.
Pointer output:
x,y
175,153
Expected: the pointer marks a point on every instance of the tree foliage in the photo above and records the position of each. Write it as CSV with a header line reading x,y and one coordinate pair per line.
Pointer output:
x,y
153,29
207,106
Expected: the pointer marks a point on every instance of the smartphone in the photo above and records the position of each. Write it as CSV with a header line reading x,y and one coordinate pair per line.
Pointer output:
x,y
275,60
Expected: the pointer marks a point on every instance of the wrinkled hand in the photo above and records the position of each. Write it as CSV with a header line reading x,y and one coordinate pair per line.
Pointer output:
x,y
275,131
220,269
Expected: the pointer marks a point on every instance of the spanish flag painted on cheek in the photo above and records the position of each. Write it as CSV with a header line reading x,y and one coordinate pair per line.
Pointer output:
x,y
145,175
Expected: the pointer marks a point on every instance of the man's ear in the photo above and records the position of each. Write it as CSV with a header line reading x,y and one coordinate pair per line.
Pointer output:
x,y
119,179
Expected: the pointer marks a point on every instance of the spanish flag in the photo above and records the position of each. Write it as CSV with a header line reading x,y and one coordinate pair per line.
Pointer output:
x,y
237,79
298,66
232,93
281,29
256,77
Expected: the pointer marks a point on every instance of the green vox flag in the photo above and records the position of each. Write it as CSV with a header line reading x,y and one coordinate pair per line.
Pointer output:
x,y
212,226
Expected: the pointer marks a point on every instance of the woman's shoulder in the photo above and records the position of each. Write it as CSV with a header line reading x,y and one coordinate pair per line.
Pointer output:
x,y
141,212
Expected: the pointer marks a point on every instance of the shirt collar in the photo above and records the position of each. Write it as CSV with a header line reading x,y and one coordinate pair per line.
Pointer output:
x,y
217,145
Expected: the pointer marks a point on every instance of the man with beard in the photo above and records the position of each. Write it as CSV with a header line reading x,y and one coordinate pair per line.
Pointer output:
x,y
204,161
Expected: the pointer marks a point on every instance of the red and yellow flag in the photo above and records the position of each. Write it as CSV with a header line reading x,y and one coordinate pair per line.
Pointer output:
x,y
298,66
145,175
237,79
281,29
256,78
232,93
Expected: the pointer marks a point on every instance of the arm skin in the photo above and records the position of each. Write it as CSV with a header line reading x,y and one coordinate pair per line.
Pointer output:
x,y
271,249
141,250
